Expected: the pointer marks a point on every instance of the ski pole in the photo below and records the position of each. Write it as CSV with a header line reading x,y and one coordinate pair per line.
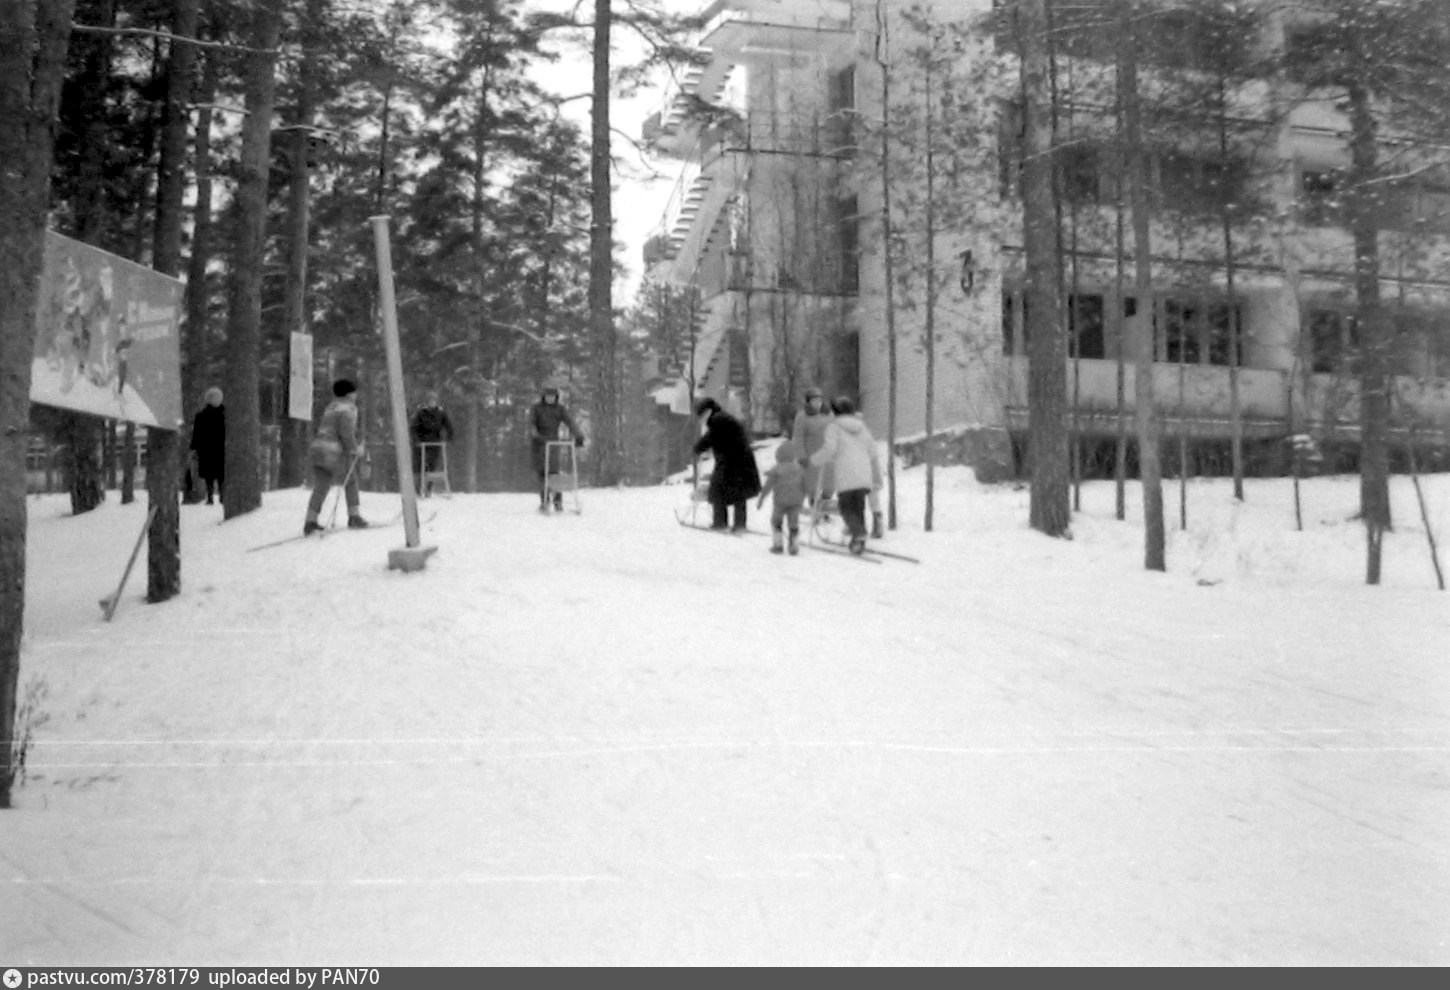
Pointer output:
x,y
342,489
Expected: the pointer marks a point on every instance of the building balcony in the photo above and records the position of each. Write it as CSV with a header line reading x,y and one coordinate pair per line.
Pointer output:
x,y
1195,399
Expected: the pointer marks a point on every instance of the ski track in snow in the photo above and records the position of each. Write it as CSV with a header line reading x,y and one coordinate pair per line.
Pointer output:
x,y
611,739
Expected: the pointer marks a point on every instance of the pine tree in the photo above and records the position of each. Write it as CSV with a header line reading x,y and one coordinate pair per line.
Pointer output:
x,y
33,42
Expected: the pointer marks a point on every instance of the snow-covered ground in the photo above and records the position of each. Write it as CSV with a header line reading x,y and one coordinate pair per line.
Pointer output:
x,y
609,739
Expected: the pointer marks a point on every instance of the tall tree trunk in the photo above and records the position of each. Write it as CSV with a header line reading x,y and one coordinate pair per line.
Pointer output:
x,y
82,433
244,304
1049,508
1150,472
1230,271
931,300
1374,337
473,409
33,37
163,551
195,331
292,468
888,256
601,262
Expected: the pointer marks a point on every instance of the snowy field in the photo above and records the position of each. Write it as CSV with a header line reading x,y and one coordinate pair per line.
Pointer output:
x,y
609,739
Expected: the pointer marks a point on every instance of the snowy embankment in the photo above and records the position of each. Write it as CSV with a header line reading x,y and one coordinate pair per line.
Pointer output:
x,y
609,739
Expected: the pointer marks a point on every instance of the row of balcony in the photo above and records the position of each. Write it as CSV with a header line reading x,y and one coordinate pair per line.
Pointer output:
x,y
1270,401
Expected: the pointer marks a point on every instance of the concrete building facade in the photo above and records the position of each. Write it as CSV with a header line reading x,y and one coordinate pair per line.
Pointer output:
x,y
814,126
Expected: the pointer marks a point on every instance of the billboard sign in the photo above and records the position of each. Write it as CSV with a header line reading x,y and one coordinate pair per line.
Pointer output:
x,y
299,381
107,336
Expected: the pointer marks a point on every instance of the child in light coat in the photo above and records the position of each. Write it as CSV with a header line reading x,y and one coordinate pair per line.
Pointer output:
x,y
787,482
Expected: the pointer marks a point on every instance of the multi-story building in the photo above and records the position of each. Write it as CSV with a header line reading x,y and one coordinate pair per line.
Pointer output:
x,y
805,112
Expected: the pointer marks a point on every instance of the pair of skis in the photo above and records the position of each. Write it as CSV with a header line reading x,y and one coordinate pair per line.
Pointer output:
x,y
819,540
825,546
332,530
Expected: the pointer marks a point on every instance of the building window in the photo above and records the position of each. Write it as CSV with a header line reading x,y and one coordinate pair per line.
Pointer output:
x,y
1180,335
1085,327
1010,324
848,232
1200,331
1085,179
1332,336
1319,195
1221,335
841,119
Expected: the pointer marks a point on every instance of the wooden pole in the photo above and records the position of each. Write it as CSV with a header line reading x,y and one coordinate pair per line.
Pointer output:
x,y
393,353
109,604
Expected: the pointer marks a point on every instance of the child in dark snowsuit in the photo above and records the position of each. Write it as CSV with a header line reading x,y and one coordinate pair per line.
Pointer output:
x,y
787,482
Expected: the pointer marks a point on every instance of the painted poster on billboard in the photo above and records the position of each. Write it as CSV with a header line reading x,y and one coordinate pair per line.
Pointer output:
x,y
108,338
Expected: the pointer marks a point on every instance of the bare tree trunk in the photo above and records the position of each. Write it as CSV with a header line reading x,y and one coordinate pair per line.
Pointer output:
x,y
163,467
128,464
1049,509
34,38
244,305
473,410
1374,338
294,432
601,262
888,266
195,343
931,290
1230,269
82,433
1150,473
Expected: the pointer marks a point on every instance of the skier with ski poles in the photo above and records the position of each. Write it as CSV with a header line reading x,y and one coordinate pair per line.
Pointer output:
x,y
334,454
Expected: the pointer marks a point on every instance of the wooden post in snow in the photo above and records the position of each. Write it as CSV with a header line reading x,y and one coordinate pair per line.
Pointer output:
x,y
412,557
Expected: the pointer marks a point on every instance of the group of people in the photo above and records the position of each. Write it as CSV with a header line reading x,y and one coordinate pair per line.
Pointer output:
x,y
830,454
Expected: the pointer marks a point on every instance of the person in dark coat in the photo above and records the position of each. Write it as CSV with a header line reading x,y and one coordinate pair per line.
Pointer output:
x,y
735,480
209,444
545,418
430,425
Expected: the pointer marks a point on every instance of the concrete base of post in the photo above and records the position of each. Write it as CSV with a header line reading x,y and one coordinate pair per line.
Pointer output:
x,y
409,558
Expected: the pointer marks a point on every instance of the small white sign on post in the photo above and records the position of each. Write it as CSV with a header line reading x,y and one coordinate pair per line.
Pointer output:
x,y
299,381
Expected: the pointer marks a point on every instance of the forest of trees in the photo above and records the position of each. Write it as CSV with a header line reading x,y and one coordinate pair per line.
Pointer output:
x,y
244,144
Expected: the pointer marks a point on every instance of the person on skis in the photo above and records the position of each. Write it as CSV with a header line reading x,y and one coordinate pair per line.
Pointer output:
x,y
545,418
850,450
334,453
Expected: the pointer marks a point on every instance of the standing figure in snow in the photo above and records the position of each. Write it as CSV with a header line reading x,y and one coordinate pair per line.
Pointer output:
x,y
334,453
209,444
545,418
430,425
787,482
735,480
850,449
809,433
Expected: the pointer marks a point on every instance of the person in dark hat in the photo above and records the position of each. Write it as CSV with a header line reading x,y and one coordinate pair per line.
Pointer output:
x,y
735,479
545,418
334,453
